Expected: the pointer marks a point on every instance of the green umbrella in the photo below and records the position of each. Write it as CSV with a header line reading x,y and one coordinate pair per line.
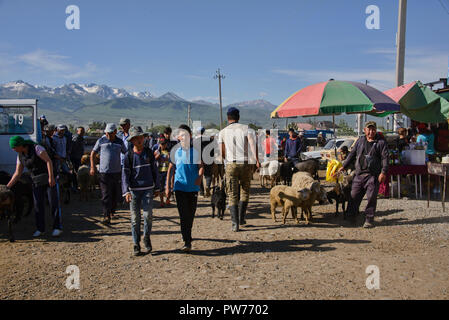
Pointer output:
x,y
420,103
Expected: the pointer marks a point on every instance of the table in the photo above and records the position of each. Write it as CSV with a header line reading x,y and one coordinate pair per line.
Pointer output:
x,y
437,169
398,170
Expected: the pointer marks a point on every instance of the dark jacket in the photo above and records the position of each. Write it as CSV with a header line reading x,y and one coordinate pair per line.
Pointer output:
x,y
379,163
77,147
139,171
292,148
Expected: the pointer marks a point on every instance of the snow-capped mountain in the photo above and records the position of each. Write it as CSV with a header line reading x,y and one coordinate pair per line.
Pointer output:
x,y
142,95
82,90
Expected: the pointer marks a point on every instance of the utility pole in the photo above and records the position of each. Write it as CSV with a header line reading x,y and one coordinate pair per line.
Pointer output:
x,y
188,115
400,52
360,119
219,76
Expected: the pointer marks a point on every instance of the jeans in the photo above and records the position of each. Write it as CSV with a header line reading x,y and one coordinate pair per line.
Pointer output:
x,y
141,200
39,206
186,203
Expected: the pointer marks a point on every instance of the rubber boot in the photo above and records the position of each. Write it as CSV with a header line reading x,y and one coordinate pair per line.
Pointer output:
x,y
242,212
234,217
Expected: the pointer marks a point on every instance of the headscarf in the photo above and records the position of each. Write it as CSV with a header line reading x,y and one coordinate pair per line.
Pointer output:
x,y
17,141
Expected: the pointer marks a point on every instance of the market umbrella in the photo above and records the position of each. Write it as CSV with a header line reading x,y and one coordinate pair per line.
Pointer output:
x,y
335,97
420,103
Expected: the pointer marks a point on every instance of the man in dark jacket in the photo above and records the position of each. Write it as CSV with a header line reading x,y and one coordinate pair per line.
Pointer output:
x,y
370,154
292,147
77,148
140,183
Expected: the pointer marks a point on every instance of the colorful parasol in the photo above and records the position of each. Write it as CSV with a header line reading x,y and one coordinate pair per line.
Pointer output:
x,y
335,97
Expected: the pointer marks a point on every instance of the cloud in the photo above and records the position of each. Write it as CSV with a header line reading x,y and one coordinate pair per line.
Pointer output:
x,y
423,65
45,61
41,61
194,77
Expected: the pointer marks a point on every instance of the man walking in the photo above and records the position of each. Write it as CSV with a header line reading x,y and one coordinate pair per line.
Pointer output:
x,y
77,148
239,150
292,147
110,148
140,183
60,145
370,154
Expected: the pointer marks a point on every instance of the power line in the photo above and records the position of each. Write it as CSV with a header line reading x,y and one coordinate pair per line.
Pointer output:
x,y
444,7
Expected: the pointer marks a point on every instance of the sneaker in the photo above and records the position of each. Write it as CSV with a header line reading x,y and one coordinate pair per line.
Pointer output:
x,y
136,251
56,233
148,247
38,234
107,220
369,223
162,205
186,248
167,202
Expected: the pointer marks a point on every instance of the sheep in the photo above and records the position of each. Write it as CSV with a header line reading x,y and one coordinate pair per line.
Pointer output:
x,y
287,198
85,180
286,172
293,199
270,171
7,209
311,166
23,192
305,180
276,201
302,180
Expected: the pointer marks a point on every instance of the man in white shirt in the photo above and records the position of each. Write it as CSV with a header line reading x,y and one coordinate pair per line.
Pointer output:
x,y
239,150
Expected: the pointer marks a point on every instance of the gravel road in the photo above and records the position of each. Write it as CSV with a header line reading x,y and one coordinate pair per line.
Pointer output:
x,y
266,260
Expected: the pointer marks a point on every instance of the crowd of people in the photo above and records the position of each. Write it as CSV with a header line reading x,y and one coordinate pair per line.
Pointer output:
x,y
135,167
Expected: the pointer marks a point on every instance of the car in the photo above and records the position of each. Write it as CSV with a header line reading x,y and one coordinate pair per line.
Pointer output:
x,y
330,154
328,151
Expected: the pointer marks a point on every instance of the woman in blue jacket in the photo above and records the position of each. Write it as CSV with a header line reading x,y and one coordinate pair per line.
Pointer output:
x,y
188,175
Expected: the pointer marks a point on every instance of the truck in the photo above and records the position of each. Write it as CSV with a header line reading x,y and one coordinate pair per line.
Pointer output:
x,y
18,117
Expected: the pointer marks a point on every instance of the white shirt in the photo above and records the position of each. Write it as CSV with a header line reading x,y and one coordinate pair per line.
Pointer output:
x,y
238,139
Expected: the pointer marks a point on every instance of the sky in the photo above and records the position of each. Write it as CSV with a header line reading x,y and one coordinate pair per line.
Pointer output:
x,y
266,49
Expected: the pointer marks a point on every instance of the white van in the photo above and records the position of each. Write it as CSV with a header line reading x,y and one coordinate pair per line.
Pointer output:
x,y
18,117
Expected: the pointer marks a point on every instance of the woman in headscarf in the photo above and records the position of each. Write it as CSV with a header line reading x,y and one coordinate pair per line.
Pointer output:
x,y
34,157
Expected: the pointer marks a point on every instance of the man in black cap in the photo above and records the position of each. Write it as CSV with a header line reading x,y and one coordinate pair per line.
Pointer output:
x,y
239,150
370,154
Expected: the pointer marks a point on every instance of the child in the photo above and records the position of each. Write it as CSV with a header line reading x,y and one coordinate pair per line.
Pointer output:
x,y
139,183
162,156
344,151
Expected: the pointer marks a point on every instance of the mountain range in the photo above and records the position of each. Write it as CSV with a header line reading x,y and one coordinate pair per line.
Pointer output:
x,y
84,103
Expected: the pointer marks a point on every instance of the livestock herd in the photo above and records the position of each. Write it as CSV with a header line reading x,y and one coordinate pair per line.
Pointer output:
x,y
301,188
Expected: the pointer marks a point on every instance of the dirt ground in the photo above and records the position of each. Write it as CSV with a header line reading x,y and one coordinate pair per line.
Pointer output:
x,y
266,260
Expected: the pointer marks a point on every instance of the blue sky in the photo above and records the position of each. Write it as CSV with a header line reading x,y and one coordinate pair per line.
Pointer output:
x,y
266,49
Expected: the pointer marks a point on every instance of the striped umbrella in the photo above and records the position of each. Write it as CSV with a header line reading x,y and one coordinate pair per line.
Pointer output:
x,y
420,103
335,97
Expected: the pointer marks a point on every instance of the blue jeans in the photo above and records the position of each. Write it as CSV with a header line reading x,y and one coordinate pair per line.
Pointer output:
x,y
141,200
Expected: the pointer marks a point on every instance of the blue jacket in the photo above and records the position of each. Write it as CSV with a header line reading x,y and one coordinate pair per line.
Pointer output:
x,y
292,148
141,174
